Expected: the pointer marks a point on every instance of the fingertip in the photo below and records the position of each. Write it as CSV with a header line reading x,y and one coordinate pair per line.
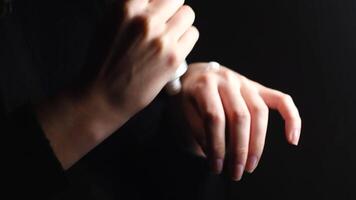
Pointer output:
x,y
293,130
294,136
217,165
238,172
252,163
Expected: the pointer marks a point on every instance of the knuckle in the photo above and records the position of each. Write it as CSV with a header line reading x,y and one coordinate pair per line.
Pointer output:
x,y
205,78
226,75
203,83
173,59
240,116
214,117
286,99
260,110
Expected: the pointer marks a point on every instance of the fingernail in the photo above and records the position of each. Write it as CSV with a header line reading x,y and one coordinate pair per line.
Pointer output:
x,y
218,165
295,137
238,172
251,164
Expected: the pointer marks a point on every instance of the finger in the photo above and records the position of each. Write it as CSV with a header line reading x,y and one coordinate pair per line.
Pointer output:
x,y
128,11
197,149
187,42
133,8
180,22
259,122
163,10
238,118
198,137
286,107
211,109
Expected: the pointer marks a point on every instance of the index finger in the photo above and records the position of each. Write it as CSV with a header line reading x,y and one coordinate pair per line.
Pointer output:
x,y
287,108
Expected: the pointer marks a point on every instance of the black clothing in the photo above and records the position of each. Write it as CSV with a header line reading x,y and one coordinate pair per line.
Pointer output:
x,y
303,47
44,47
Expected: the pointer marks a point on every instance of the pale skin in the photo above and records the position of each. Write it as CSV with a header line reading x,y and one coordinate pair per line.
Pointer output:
x,y
222,105
128,82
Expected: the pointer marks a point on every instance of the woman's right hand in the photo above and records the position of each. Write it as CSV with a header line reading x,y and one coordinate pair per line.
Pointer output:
x,y
153,39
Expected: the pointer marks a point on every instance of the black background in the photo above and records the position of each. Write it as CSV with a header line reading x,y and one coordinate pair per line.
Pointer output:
x,y
306,48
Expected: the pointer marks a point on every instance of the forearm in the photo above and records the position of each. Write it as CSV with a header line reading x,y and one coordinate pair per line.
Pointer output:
x,y
75,125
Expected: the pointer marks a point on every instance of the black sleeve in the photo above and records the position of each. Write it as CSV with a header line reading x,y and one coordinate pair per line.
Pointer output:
x,y
31,167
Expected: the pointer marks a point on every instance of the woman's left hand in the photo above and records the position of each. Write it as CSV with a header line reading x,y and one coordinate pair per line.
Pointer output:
x,y
228,114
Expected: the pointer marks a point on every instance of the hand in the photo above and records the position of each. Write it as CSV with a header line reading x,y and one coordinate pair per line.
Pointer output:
x,y
152,40
213,98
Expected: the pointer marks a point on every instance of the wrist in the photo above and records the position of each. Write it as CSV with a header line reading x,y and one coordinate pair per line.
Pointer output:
x,y
175,86
105,116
